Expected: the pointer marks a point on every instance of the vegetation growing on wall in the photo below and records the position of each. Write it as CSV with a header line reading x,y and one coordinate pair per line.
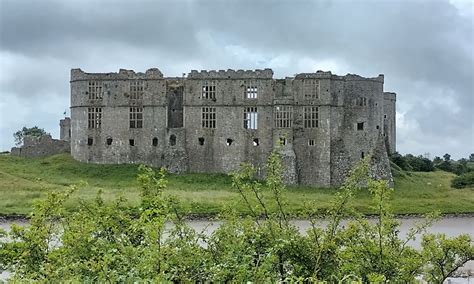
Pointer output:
x,y
27,131
109,242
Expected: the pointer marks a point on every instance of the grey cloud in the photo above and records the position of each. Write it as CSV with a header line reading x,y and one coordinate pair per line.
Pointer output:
x,y
415,43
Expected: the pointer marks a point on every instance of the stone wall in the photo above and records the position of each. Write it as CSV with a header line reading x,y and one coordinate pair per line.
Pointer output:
x,y
350,122
35,147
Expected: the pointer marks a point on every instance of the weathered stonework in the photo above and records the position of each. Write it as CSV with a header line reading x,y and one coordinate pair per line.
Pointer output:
x,y
212,121
35,147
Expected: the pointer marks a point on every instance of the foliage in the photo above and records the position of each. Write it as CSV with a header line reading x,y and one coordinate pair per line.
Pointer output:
x,y
464,180
27,131
102,242
412,163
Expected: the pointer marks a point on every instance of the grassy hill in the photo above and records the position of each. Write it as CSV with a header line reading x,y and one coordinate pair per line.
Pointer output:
x,y
22,181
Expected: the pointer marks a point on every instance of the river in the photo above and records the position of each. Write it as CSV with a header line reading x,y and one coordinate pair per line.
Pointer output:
x,y
451,226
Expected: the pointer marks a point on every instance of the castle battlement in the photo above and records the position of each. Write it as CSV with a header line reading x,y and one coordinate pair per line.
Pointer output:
x,y
153,73
231,74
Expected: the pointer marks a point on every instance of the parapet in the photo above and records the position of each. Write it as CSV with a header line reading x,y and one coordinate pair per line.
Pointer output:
x,y
389,96
232,74
318,75
65,122
354,77
153,73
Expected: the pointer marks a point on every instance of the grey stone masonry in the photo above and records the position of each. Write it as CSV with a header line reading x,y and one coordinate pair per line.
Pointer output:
x,y
36,147
213,121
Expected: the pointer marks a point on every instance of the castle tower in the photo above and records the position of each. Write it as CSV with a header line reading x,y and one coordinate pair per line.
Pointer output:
x,y
65,129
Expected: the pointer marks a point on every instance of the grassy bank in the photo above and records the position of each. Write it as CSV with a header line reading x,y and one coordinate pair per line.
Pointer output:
x,y
24,180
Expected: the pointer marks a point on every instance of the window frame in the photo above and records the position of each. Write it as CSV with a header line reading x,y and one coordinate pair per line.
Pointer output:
x,y
135,117
208,117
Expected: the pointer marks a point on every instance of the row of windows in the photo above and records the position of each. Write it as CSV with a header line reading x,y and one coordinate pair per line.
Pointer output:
x,y
201,140
95,90
136,88
283,117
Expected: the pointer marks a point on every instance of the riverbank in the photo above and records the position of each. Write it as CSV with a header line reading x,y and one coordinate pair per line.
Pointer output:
x,y
23,181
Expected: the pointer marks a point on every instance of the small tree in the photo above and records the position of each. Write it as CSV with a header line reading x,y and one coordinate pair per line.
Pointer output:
x,y
25,131
447,157
471,157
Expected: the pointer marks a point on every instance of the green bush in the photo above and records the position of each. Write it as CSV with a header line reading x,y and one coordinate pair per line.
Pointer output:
x,y
464,180
103,242
412,163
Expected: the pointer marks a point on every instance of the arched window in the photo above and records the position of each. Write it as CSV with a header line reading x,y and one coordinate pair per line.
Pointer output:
x,y
154,142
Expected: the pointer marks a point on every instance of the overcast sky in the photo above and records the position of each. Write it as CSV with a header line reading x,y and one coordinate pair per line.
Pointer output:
x,y
424,48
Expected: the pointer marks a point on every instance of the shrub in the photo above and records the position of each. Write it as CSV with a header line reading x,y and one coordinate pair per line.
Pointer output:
x,y
109,243
464,180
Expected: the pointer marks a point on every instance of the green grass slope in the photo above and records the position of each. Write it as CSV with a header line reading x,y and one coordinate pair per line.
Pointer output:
x,y
22,181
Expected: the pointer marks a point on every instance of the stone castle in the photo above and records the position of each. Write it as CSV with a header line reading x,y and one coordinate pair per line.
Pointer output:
x,y
212,121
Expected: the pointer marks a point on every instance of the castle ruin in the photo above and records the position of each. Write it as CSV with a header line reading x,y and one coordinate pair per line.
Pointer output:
x,y
212,121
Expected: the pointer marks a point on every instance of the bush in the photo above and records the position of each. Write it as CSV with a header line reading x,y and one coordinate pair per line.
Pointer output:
x,y
464,180
103,242
412,163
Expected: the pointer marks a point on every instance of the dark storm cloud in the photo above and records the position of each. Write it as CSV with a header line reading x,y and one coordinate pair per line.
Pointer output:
x,y
423,47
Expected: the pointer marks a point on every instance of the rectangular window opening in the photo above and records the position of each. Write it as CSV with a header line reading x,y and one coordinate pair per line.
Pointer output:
x,y
251,89
208,117
136,117
136,90
311,89
209,90
250,118
311,142
131,142
95,90
94,117
360,126
311,117
283,116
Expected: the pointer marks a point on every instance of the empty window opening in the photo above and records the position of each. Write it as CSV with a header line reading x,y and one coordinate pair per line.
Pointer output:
x,y
136,117
209,90
378,127
131,142
109,141
90,141
251,90
282,141
94,117
362,155
384,116
256,142
360,126
154,142
283,116
311,142
208,117
250,118
229,141
201,140
95,90
311,117
311,89
172,140
361,101
136,90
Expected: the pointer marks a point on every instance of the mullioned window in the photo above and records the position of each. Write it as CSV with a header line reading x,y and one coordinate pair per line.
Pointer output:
x,y
283,116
